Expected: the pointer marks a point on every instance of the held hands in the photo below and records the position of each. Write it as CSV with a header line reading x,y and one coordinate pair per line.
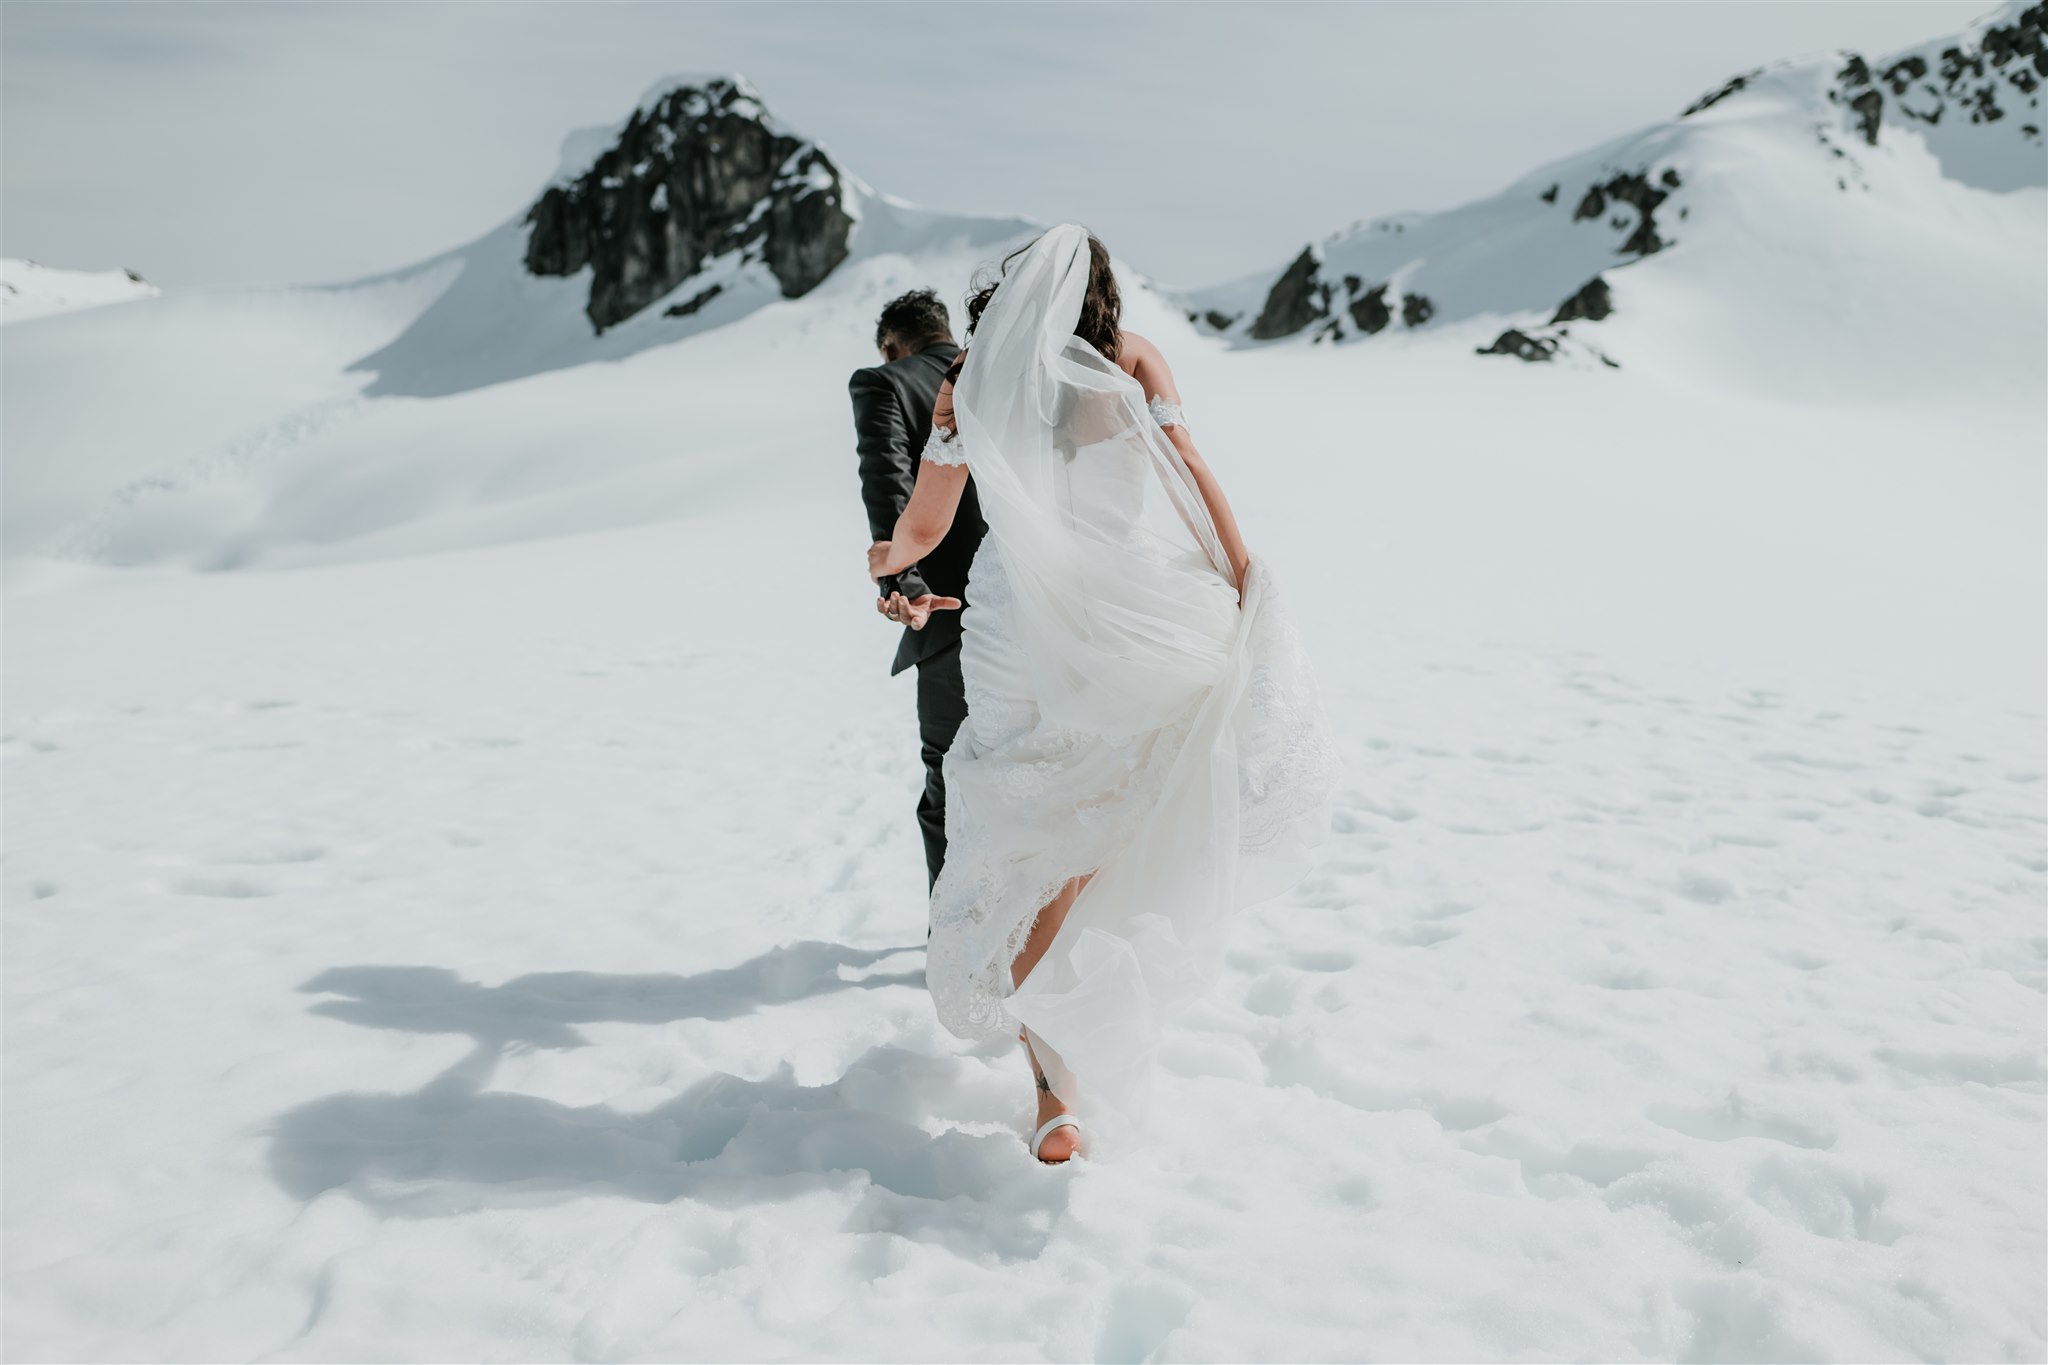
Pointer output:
x,y
909,611
914,611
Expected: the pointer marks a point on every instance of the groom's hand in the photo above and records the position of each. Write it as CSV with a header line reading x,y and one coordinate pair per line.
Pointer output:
x,y
914,611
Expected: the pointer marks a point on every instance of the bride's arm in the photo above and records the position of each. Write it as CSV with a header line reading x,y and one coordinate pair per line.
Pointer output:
x,y
926,518
1142,360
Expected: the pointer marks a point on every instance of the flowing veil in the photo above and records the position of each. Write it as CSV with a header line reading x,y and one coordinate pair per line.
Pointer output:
x,y
1179,754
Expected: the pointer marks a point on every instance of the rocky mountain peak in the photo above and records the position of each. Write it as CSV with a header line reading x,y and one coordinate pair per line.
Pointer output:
x,y
697,172
1548,243
1990,74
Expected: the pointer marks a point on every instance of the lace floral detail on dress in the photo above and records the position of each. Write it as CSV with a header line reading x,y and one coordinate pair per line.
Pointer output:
x,y
1165,413
944,447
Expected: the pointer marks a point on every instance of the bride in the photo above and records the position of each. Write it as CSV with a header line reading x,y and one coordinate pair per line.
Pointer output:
x,y
1144,752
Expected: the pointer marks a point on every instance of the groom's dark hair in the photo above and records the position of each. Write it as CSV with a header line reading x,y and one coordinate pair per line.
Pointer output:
x,y
916,319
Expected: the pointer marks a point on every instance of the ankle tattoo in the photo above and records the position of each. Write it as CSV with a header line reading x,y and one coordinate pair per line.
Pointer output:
x,y
1044,1085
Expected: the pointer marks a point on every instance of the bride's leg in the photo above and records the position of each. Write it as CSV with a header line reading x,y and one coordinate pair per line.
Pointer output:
x,y
1060,1143
1043,928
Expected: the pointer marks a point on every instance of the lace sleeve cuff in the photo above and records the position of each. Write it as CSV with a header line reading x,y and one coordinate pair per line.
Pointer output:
x,y
944,447
1166,414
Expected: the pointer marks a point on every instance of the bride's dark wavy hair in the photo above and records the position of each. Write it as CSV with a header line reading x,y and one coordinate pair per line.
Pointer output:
x,y
1101,311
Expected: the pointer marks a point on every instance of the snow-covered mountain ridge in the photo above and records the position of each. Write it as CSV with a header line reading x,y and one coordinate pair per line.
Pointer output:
x,y
1540,253
276,424
1761,244
29,289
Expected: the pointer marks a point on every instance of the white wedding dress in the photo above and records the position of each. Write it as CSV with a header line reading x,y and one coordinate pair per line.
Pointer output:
x,y
1127,716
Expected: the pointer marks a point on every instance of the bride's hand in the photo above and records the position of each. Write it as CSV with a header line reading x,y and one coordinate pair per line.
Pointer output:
x,y
914,611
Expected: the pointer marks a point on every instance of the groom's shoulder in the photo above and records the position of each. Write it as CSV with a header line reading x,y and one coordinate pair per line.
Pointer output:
x,y
923,369
894,373
870,380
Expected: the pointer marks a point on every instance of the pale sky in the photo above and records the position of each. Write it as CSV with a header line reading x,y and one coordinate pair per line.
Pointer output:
x,y
205,143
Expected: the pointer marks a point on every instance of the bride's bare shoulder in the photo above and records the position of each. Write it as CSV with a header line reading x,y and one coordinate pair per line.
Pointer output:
x,y
1133,350
1143,361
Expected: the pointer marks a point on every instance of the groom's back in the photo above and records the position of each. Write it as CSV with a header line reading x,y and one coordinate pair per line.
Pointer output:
x,y
917,379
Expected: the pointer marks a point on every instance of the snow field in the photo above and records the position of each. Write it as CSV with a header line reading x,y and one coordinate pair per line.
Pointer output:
x,y
514,951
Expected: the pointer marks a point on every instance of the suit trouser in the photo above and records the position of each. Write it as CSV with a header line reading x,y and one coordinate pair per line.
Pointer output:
x,y
941,707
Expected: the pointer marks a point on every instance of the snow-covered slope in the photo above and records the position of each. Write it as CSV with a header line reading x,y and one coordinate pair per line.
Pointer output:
x,y
514,951
1902,193
31,290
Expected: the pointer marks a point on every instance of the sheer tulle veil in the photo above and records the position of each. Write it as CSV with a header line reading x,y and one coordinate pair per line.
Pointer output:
x,y
1180,752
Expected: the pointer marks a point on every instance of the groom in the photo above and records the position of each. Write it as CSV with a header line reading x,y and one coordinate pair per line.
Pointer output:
x,y
892,419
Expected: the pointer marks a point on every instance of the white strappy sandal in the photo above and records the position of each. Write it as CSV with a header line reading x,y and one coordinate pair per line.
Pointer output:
x,y
1045,1130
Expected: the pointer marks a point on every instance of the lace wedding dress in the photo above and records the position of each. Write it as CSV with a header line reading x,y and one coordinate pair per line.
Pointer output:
x,y
1127,715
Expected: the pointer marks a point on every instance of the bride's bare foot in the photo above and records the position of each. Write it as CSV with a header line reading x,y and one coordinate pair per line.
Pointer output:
x,y
1060,1143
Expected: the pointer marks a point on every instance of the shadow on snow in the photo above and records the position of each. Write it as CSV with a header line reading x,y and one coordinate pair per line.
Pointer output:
x,y
455,1145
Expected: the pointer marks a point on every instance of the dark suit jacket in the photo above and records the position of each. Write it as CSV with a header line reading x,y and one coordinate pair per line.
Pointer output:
x,y
892,420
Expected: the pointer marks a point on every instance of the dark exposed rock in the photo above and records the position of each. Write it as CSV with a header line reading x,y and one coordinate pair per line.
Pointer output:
x,y
1220,321
1370,312
2018,41
1634,188
1593,302
1714,97
1956,65
699,173
1521,345
1549,196
1901,74
1999,74
1298,298
693,303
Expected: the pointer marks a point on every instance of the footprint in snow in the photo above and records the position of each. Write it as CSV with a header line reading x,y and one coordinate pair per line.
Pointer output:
x,y
1735,1117
272,854
228,888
